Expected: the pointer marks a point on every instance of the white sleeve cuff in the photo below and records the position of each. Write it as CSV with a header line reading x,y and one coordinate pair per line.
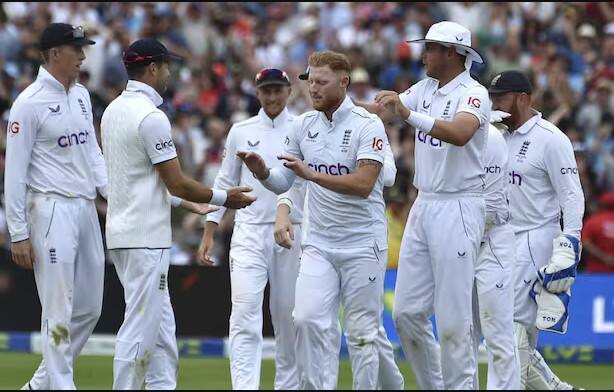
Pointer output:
x,y
176,201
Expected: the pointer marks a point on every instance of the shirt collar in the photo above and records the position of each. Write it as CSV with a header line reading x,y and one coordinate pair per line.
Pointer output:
x,y
272,122
147,90
49,80
453,84
526,127
342,111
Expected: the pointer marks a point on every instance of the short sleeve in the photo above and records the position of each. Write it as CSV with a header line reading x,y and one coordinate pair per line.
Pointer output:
x,y
373,142
476,102
155,131
409,97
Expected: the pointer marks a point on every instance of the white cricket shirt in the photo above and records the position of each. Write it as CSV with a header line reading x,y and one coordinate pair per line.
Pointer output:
x,y
264,136
51,147
440,166
136,135
543,178
334,147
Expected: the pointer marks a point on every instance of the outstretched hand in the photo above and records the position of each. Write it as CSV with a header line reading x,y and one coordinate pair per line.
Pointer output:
x,y
297,166
254,163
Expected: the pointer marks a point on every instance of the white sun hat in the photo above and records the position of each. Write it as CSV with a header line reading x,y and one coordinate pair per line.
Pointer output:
x,y
452,34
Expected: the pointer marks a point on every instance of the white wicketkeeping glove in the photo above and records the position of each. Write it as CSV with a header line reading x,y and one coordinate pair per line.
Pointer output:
x,y
552,309
560,272
496,116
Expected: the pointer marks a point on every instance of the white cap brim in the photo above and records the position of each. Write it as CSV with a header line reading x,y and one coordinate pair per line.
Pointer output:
x,y
471,53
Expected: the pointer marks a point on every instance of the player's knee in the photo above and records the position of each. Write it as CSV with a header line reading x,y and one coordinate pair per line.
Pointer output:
x,y
304,319
453,334
408,319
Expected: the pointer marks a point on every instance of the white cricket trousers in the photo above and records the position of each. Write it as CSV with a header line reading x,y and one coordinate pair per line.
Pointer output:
x,y
255,258
69,273
436,272
494,307
389,377
327,277
534,249
146,346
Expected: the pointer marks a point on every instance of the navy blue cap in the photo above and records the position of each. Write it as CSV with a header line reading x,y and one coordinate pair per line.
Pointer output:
x,y
58,34
147,50
510,81
270,76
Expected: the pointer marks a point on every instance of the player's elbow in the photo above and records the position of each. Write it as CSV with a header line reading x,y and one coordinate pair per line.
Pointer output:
x,y
365,190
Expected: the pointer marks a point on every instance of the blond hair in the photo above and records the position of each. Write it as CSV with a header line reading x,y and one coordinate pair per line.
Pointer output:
x,y
335,60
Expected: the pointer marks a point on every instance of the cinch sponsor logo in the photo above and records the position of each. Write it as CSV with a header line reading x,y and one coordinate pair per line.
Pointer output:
x,y
569,170
428,139
515,178
73,139
165,144
336,169
492,169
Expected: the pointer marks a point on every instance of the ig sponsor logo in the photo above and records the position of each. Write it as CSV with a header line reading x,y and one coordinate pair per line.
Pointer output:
x,y
14,128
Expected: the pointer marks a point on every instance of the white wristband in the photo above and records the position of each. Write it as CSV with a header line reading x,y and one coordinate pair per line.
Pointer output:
x,y
219,197
421,122
286,201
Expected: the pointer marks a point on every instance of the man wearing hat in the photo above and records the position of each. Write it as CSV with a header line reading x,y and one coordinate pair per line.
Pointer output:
x,y
142,169
450,112
54,168
254,256
543,186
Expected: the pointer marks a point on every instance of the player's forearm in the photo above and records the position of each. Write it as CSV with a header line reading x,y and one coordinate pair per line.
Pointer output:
x,y
282,213
210,228
188,189
354,184
452,132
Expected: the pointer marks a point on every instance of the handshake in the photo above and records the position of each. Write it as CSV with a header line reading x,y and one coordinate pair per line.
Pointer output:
x,y
552,292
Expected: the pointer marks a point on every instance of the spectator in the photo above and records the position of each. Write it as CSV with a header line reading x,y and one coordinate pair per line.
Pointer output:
x,y
598,237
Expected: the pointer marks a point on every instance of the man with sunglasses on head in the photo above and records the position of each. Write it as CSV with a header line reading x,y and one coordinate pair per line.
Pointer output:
x,y
54,167
254,257
143,172
543,186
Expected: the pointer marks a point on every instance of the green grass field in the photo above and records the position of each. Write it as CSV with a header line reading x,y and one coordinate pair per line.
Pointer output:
x,y
92,372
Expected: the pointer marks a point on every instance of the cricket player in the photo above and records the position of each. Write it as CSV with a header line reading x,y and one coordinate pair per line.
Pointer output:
x,y
53,169
544,184
390,378
339,150
254,256
450,112
142,168
494,282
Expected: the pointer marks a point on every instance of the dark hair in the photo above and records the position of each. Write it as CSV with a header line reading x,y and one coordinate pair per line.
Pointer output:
x,y
137,71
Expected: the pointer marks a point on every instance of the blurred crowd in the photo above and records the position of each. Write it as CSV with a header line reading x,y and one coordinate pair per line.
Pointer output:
x,y
566,48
